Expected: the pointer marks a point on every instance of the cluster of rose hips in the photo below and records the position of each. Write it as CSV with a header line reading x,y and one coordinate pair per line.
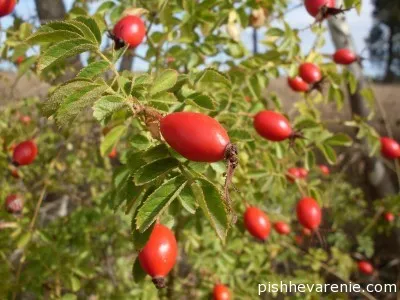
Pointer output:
x,y
310,75
23,154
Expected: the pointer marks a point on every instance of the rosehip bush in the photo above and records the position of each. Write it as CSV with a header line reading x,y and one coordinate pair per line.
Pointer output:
x,y
175,174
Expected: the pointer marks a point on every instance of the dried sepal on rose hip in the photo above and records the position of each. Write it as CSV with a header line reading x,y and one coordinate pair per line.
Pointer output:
x,y
198,137
158,256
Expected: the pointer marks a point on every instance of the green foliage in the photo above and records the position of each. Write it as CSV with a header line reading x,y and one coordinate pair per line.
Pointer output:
x,y
88,251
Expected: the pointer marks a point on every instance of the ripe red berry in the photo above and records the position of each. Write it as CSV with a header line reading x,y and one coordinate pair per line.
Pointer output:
x,y
344,56
309,213
25,119
159,254
315,6
390,148
299,240
306,231
272,125
221,292
25,153
195,136
257,223
131,30
365,267
303,173
7,7
324,169
293,174
297,84
389,217
282,228
14,204
113,153
19,60
15,173
310,73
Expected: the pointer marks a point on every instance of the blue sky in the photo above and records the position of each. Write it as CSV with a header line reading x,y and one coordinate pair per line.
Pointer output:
x,y
298,18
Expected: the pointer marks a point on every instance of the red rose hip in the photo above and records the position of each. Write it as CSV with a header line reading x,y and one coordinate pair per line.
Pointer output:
x,y
390,148
389,217
195,136
131,30
344,56
310,73
293,174
365,267
314,7
297,84
257,223
324,169
272,126
303,173
7,7
158,256
221,292
282,228
25,153
113,153
309,213
14,204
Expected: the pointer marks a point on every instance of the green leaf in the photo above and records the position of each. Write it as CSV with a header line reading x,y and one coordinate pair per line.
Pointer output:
x,y
213,206
26,64
86,31
158,202
92,25
63,50
188,199
51,36
106,106
75,283
274,31
69,297
328,152
111,139
139,238
24,240
340,139
352,81
155,153
240,135
202,101
154,170
309,161
63,25
165,81
209,77
137,272
59,94
94,69
164,97
77,102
